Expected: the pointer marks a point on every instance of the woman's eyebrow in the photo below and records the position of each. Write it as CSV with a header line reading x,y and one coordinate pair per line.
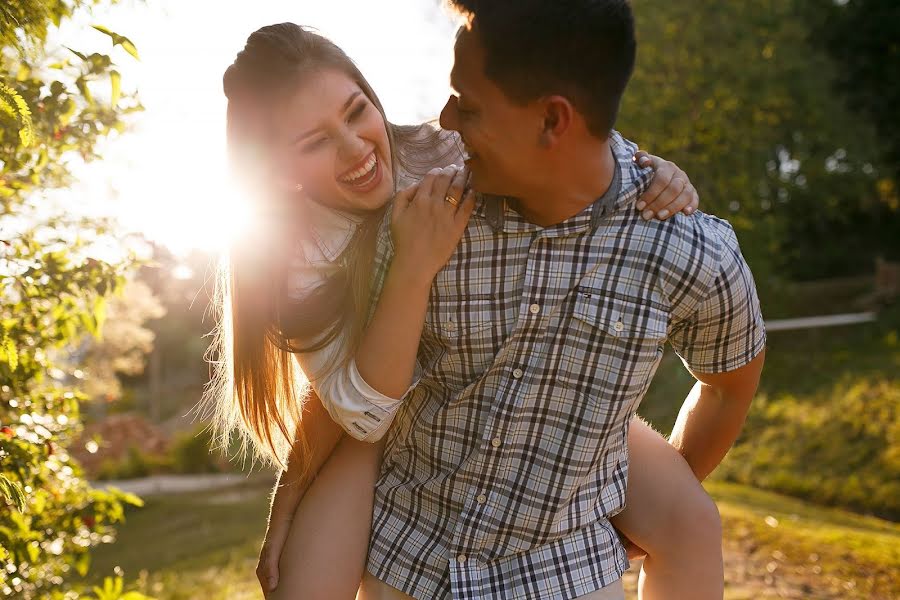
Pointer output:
x,y
344,108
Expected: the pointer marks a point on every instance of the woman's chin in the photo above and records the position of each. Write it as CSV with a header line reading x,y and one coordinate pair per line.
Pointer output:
x,y
373,199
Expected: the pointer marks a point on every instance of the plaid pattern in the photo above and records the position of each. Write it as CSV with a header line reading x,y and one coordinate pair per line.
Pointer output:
x,y
504,465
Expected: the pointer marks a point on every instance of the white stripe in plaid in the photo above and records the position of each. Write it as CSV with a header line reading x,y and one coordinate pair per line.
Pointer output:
x,y
503,467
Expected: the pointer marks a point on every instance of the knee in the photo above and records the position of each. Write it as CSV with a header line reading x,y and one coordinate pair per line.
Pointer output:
x,y
699,519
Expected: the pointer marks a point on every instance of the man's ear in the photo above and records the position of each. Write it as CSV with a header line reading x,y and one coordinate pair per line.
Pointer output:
x,y
558,114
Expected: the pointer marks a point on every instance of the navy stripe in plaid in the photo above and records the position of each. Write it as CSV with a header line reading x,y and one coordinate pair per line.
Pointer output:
x,y
504,465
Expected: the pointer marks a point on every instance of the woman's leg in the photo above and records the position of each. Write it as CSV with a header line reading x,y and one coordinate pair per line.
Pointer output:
x,y
325,552
671,517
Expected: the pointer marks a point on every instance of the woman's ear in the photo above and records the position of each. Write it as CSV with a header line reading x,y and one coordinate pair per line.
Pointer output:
x,y
557,119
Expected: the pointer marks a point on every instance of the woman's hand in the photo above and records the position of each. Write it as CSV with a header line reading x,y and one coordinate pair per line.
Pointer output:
x,y
270,553
428,221
670,192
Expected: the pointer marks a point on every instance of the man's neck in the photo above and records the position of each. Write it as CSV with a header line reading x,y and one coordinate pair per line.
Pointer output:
x,y
575,186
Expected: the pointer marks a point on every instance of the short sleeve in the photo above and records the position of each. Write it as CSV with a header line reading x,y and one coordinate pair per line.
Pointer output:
x,y
727,330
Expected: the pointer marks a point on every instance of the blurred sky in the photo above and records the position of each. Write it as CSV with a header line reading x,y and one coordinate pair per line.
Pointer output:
x,y
167,177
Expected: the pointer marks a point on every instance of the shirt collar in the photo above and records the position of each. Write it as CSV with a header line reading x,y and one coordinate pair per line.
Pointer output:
x,y
628,182
330,229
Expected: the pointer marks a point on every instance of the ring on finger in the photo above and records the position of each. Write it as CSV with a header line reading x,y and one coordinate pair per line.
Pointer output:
x,y
451,200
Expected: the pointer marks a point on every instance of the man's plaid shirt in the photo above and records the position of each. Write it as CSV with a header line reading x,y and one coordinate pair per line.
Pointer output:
x,y
505,463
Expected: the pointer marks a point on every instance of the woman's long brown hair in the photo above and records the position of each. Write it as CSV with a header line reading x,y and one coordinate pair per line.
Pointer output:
x,y
257,390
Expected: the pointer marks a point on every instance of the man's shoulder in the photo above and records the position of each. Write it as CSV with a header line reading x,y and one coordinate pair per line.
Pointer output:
x,y
683,254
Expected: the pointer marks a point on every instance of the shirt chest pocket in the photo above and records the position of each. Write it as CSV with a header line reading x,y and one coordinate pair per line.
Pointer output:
x,y
458,339
612,345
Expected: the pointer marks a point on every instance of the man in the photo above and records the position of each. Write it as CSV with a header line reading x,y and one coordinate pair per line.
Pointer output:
x,y
544,330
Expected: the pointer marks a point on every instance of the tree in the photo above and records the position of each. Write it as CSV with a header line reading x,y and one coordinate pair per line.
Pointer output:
x,y
862,37
53,288
734,93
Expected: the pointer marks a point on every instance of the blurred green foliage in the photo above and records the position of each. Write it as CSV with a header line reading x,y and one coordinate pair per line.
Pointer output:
x,y
190,452
738,96
825,426
52,293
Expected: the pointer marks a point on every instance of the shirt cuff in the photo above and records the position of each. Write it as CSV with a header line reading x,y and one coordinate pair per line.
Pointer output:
x,y
371,421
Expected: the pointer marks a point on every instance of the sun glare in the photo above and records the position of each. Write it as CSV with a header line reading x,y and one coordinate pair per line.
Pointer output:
x,y
168,178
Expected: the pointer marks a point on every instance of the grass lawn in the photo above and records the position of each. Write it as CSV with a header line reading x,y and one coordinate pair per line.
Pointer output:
x,y
204,545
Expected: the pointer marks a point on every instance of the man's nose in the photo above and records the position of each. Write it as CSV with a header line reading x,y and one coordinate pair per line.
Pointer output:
x,y
448,119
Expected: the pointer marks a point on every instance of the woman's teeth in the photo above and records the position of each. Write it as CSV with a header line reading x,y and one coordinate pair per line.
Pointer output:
x,y
366,169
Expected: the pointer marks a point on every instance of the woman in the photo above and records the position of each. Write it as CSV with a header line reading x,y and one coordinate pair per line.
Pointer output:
x,y
312,139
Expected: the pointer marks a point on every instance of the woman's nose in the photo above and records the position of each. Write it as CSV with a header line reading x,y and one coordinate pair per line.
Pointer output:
x,y
352,145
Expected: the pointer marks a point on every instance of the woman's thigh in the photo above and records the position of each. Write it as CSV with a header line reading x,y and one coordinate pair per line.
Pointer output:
x,y
662,491
325,552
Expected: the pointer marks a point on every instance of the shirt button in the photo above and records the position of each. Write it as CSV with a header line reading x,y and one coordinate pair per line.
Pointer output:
x,y
518,373
451,326
535,308
495,442
619,326
481,499
461,558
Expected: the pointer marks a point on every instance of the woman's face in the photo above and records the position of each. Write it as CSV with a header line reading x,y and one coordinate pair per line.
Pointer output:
x,y
333,141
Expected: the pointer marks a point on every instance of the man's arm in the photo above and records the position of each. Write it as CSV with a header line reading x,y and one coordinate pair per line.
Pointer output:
x,y
722,343
713,413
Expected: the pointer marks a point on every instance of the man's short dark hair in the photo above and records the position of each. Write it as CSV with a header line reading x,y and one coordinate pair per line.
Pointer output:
x,y
581,49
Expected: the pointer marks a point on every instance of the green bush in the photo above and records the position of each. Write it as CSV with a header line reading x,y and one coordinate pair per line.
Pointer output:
x,y
825,426
837,448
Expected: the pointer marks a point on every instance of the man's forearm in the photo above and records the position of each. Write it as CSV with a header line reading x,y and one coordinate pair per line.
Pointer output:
x,y
709,422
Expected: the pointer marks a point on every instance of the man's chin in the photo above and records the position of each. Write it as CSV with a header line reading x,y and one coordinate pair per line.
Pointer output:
x,y
484,185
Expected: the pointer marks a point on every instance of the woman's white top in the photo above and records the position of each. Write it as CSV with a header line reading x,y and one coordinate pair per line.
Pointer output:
x,y
361,410
365,413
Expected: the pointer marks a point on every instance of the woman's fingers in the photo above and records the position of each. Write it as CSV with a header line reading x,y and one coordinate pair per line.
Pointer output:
x,y
453,196
643,159
664,174
466,206
435,184
267,570
670,192
401,202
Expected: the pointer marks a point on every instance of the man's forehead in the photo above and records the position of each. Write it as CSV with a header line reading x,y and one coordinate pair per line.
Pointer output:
x,y
465,58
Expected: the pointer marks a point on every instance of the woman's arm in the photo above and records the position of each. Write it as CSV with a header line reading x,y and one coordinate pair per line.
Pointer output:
x,y
426,229
363,394
322,435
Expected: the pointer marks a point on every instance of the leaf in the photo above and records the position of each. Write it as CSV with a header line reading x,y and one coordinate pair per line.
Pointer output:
x,y
12,492
119,40
76,53
85,91
14,104
83,563
11,354
116,80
